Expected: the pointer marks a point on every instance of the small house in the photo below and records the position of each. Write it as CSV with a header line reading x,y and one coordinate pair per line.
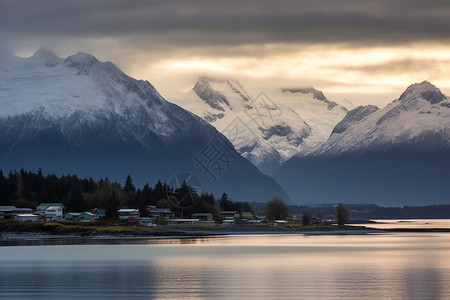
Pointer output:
x,y
131,215
53,213
228,222
128,214
155,212
183,222
230,214
27,217
8,212
147,221
98,212
203,216
41,208
280,222
189,222
79,217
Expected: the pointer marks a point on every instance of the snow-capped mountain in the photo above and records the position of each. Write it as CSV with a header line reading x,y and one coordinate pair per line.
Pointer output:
x,y
420,118
83,116
399,154
268,126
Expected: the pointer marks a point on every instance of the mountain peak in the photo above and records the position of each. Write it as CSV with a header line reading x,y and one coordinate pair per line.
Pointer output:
x,y
213,91
425,90
50,58
353,116
207,79
82,61
309,90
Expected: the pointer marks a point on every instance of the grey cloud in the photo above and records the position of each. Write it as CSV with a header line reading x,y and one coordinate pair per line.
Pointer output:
x,y
233,22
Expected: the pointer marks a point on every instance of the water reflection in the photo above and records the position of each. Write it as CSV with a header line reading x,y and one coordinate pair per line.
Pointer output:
x,y
393,266
410,223
35,241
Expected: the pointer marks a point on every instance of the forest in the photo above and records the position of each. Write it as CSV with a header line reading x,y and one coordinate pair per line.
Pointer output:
x,y
28,189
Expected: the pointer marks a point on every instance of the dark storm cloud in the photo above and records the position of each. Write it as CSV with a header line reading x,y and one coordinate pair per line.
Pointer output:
x,y
233,22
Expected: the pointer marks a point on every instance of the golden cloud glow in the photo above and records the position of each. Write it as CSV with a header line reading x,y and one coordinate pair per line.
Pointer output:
x,y
336,69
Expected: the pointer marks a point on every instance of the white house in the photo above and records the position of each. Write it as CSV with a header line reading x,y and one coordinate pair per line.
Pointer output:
x,y
189,222
41,208
128,214
53,213
27,217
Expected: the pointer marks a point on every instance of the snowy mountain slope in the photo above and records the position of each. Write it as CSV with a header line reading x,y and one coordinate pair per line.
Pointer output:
x,y
83,116
318,112
267,127
419,118
396,155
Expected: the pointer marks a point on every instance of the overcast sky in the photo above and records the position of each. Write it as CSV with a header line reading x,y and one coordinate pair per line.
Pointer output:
x,y
365,51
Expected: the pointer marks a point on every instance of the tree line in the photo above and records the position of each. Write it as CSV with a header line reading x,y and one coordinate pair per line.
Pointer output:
x,y
29,189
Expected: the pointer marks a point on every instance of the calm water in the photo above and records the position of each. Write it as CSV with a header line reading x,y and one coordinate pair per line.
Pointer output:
x,y
379,266
415,223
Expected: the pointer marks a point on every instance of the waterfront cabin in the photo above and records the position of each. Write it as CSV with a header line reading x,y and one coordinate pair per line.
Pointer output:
x,y
53,213
189,222
27,217
42,208
183,222
8,212
155,212
147,221
280,222
203,216
228,222
230,214
98,212
80,217
128,214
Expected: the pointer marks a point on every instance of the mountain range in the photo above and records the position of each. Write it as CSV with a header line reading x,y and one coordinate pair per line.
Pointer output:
x,y
80,115
397,155
266,126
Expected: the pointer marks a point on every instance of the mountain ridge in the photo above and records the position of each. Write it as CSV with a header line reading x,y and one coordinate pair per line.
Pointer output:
x,y
87,117
270,131
399,154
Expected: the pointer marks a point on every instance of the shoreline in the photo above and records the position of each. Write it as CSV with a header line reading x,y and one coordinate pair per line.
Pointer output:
x,y
45,238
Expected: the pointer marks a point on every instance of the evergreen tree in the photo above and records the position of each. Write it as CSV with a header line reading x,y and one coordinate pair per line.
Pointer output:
x,y
4,190
141,203
111,207
225,203
129,186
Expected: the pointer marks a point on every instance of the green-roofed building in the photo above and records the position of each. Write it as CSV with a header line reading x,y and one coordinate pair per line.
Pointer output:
x,y
79,217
